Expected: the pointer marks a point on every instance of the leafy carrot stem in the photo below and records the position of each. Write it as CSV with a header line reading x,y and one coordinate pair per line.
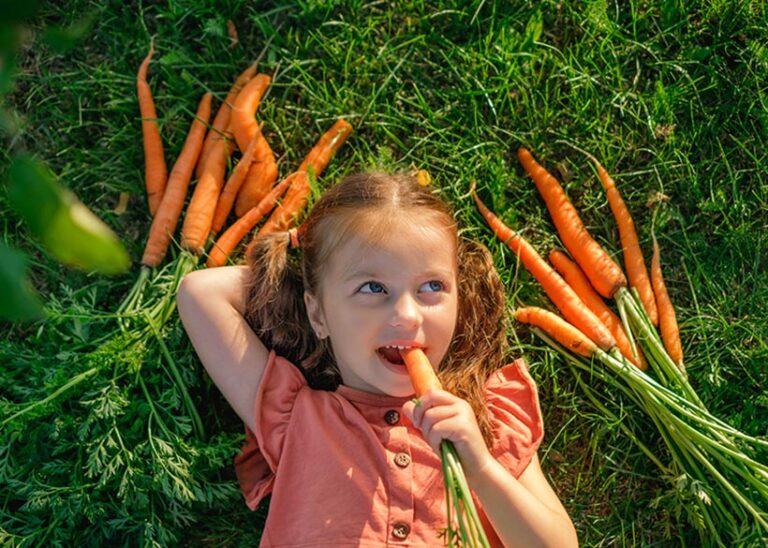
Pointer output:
x,y
191,409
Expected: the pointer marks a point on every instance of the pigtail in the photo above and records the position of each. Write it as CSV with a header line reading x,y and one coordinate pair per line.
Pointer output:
x,y
275,308
275,297
479,346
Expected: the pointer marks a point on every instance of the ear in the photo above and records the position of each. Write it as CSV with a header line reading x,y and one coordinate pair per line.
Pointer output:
x,y
315,315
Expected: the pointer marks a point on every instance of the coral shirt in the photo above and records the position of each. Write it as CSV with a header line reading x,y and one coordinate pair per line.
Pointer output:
x,y
346,468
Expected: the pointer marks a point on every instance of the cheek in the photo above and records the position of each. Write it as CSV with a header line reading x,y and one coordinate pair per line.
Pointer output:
x,y
447,322
452,317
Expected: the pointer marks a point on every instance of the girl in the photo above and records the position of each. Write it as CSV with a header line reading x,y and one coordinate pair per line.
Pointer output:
x,y
350,460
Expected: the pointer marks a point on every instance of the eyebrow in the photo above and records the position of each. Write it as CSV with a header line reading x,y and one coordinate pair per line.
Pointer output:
x,y
352,273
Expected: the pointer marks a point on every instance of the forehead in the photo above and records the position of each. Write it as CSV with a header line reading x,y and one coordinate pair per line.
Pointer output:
x,y
402,248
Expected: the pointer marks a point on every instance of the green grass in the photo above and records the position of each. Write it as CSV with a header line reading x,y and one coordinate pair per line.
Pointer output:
x,y
672,96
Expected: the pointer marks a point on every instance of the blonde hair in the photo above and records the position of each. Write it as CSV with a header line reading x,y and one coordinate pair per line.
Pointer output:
x,y
367,202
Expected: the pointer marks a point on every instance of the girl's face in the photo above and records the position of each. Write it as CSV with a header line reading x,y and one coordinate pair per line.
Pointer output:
x,y
399,291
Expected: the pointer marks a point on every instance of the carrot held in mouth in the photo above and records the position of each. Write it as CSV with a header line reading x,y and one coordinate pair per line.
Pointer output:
x,y
602,271
423,376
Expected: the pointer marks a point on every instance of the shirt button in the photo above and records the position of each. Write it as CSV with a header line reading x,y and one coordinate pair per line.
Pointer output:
x,y
391,417
402,460
400,530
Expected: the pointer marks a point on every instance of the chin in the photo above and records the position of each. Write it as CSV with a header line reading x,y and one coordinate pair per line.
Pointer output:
x,y
399,391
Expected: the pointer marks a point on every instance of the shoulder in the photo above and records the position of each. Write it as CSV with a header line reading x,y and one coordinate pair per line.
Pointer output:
x,y
513,405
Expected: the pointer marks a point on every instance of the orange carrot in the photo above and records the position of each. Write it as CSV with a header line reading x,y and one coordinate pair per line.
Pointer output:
x,y
318,159
423,376
221,120
320,155
199,217
263,171
246,103
575,277
155,169
261,176
235,233
169,211
670,332
290,208
555,287
602,271
557,328
235,181
634,262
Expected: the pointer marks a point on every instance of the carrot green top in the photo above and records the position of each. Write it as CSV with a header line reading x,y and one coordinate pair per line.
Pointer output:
x,y
346,468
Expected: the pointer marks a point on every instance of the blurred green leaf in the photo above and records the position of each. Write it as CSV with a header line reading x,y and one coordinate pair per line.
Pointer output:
x,y
19,302
64,39
68,229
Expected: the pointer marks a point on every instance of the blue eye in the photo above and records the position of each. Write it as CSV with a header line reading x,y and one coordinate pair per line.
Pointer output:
x,y
434,286
371,287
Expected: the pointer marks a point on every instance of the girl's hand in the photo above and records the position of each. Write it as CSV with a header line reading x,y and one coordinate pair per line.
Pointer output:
x,y
442,416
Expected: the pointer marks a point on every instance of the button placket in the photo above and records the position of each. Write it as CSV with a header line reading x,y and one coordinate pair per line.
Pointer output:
x,y
400,483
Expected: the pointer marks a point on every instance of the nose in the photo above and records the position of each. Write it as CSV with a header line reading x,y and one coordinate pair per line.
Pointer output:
x,y
406,312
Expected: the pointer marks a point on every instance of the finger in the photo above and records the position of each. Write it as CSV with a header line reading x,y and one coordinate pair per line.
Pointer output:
x,y
409,410
430,400
438,397
435,417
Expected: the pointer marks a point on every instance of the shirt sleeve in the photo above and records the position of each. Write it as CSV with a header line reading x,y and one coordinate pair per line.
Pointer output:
x,y
259,457
513,405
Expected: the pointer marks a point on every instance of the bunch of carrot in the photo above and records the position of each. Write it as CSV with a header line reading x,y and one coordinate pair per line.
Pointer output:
x,y
717,463
249,189
248,193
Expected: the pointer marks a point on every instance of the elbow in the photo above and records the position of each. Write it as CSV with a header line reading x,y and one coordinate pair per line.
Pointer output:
x,y
208,288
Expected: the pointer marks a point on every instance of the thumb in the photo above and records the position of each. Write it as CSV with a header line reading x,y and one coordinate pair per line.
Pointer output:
x,y
409,410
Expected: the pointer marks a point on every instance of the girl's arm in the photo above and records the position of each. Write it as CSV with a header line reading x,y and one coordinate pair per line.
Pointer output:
x,y
524,511
211,304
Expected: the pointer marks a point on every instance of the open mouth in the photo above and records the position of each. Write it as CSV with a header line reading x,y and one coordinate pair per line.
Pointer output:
x,y
391,354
